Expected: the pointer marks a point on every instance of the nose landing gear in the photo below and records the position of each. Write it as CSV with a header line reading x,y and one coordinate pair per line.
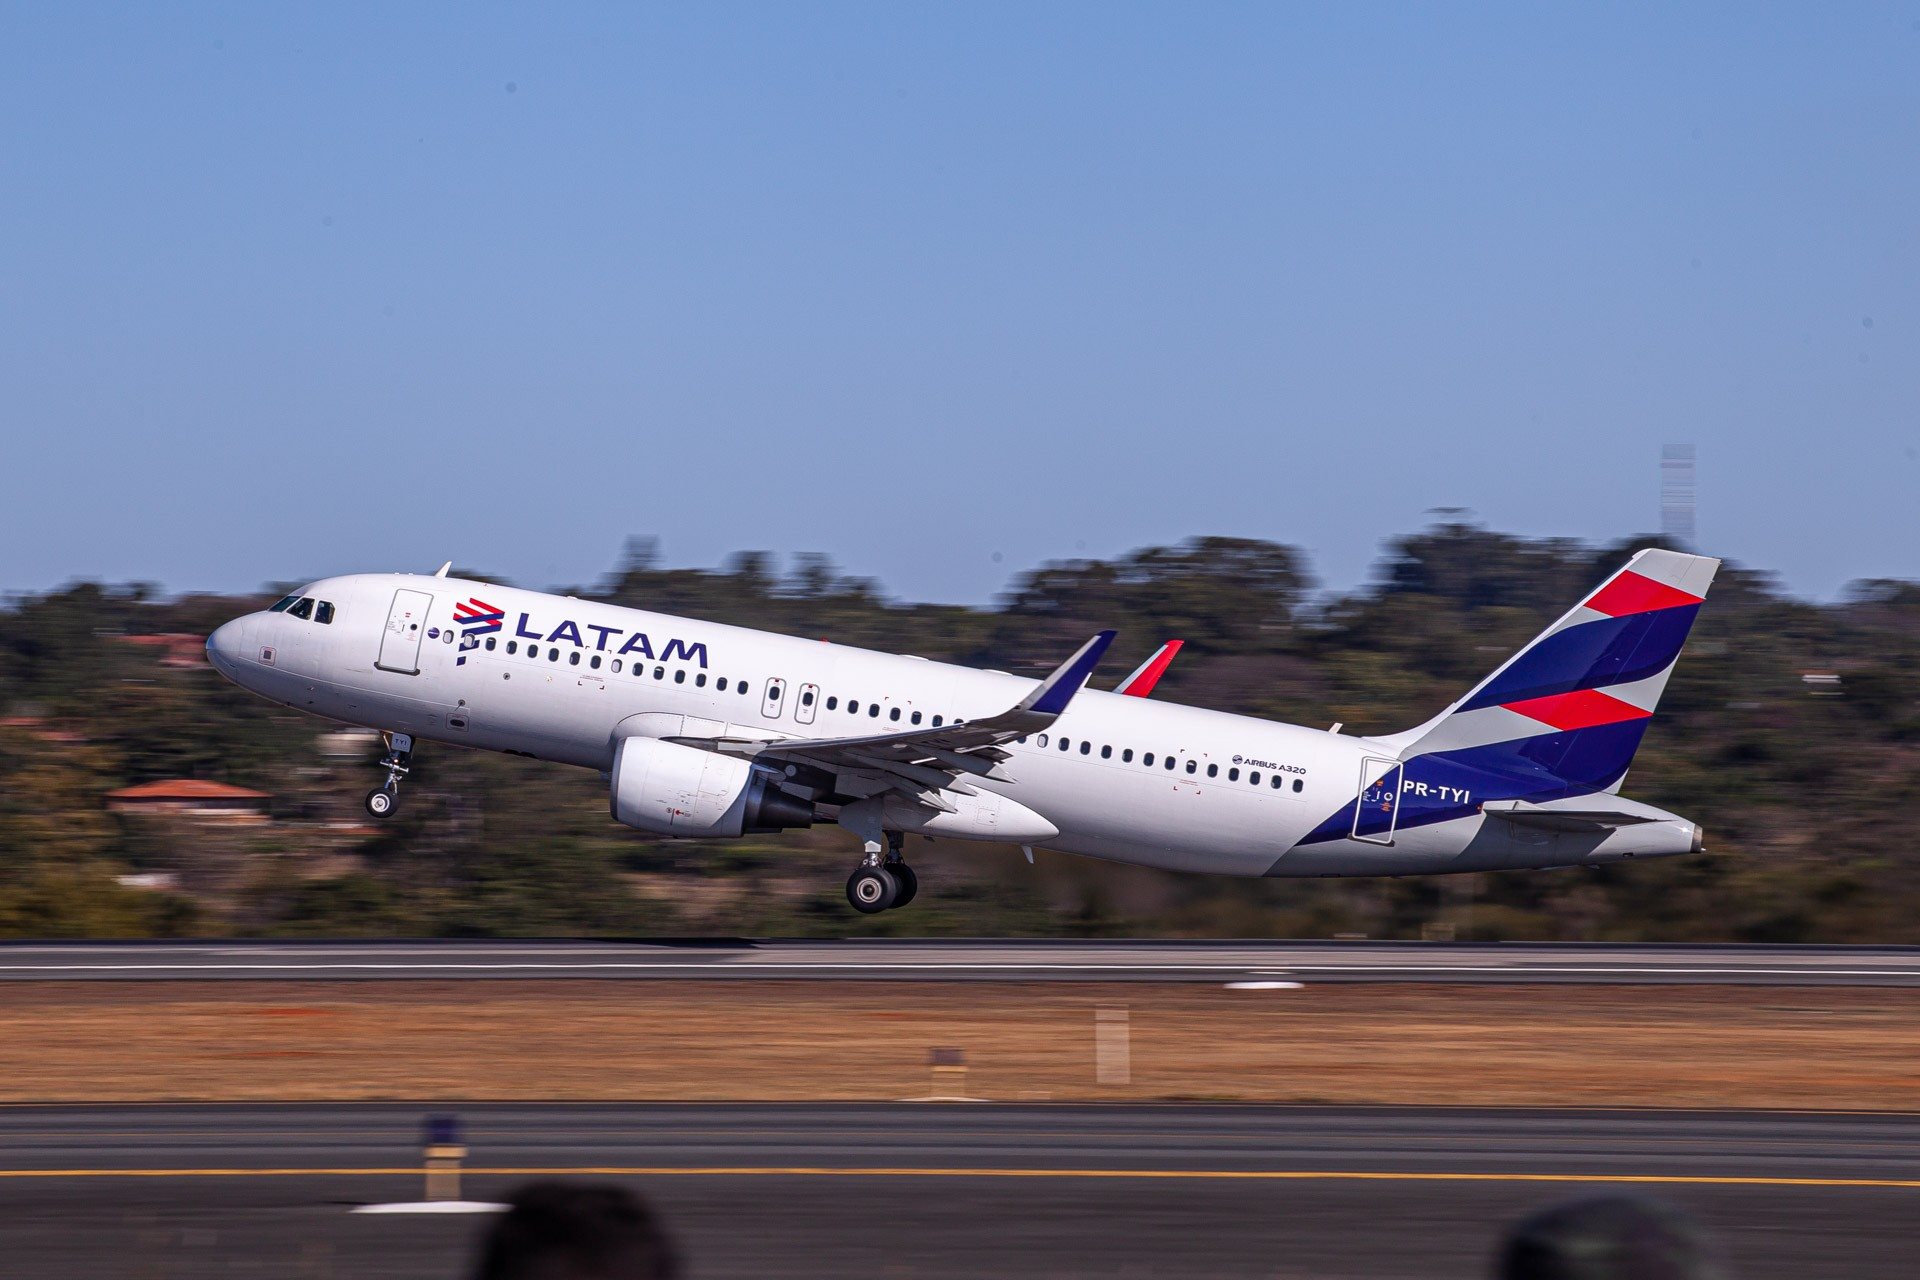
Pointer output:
x,y
398,762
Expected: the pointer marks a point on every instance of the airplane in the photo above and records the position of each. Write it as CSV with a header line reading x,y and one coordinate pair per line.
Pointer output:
x,y
711,731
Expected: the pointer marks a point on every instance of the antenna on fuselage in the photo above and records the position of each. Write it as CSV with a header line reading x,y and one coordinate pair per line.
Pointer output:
x,y
441,572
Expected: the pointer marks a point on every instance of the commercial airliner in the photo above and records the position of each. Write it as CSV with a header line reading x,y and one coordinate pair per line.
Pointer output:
x,y
706,730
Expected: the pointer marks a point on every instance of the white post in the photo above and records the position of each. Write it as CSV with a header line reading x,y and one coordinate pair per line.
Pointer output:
x,y
1112,1049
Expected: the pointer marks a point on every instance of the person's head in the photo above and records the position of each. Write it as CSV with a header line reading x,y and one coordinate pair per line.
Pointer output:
x,y
576,1231
1607,1238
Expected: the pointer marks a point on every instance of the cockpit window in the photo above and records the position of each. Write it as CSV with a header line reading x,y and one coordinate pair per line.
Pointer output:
x,y
302,608
323,613
285,603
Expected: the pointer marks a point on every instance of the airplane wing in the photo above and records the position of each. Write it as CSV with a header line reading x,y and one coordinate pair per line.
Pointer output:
x,y
925,761
1147,674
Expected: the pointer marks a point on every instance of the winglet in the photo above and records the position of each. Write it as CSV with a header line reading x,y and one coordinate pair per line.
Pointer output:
x,y
441,572
1147,674
1057,690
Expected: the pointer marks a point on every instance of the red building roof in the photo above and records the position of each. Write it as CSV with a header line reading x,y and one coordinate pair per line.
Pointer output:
x,y
186,789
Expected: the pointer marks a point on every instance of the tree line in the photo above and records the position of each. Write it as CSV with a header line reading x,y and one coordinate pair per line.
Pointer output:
x,y
1791,730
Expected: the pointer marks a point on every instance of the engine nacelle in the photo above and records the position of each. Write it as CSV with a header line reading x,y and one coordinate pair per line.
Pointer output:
x,y
682,791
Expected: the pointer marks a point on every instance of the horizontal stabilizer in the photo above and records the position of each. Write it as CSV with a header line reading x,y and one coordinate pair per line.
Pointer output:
x,y
1582,816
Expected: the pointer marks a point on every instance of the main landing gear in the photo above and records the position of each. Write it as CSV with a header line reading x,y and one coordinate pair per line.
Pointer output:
x,y
398,762
881,883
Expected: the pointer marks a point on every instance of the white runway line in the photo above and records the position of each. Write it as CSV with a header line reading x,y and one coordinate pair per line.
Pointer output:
x,y
432,1206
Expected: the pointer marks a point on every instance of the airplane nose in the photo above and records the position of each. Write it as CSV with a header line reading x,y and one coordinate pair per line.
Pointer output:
x,y
223,647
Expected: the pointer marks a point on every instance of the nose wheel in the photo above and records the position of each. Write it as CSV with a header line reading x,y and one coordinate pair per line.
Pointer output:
x,y
398,762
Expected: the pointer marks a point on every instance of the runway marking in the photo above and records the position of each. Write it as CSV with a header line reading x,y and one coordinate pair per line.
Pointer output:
x,y
813,1171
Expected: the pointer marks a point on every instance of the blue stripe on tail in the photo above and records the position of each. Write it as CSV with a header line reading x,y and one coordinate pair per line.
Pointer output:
x,y
1592,655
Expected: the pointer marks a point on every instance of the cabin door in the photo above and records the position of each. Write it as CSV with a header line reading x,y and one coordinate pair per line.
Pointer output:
x,y
406,627
1378,805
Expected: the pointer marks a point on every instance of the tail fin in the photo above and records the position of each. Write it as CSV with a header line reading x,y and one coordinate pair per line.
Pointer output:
x,y
1565,714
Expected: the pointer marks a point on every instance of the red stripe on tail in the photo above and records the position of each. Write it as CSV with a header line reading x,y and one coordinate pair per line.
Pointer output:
x,y
1634,593
1581,709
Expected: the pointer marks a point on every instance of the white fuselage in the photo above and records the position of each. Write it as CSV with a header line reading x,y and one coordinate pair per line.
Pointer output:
x,y
563,679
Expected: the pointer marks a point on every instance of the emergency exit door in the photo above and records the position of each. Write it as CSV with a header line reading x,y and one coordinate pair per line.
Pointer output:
x,y
406,628
1378,804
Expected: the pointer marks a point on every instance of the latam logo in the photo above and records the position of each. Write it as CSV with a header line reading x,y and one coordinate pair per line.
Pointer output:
x,y
476,618
614,640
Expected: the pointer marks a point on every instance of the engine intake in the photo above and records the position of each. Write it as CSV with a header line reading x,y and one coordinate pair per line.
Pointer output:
x,y
673,790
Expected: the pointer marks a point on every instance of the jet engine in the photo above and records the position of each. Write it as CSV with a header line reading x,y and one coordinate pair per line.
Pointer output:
x,y
673,790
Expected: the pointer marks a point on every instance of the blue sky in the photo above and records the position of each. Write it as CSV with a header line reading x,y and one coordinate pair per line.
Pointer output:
x,y
947,292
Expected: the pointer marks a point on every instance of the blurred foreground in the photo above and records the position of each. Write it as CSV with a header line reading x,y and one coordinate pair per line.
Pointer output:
x,y
141,795
941,1191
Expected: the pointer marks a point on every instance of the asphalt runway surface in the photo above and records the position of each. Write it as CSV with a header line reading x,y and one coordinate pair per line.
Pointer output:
x,y
951,1190
1047,960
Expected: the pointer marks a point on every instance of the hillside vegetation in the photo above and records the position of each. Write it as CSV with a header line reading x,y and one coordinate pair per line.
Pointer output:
x,y
1791,731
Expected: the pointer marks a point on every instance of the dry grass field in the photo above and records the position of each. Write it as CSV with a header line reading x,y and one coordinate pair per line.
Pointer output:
x,y
1832,1048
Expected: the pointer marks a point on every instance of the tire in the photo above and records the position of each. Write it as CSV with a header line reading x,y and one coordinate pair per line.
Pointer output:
x,y
872,890
909,883
381,802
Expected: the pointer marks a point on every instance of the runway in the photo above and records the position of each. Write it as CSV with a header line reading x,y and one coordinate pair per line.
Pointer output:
x,y
965,960
953,1190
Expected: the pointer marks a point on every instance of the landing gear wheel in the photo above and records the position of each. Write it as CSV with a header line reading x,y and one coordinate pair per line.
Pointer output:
x,y
909,883
381,802
872,890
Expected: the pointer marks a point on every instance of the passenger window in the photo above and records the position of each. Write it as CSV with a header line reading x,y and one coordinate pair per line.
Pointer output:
x,y
700,681
740,687
513,646
1085,747
1147,759
680,677
916,720
853,708
1106,753
594,662
720,685
615,666
302,608
1278,782
1170,763
1254,778
283,604
490,643
894,715
1213,771
806,697
659,673
1065,745
1298,785
1193,766
1041,741
833,702
553,654
1233,775
323,613
936,722
573,659
873,710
